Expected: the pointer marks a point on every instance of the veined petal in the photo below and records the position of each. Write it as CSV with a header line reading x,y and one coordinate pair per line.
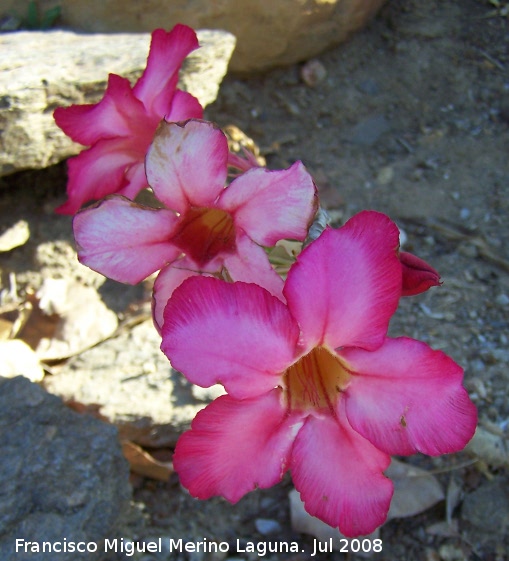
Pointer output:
x,y
167,280
236,334
168,50
184,106
100,171
354,277
235,446
339,476
272,205
187,164
124,241
406,398
250,264
115,115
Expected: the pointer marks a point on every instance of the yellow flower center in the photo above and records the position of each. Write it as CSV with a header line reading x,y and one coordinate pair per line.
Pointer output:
x,y
204,233
315,381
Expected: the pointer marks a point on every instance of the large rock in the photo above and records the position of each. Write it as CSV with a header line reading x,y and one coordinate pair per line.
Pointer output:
x,y
62,475
40,71
269,32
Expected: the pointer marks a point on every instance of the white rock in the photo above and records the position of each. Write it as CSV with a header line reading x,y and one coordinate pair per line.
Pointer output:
x,y
40,71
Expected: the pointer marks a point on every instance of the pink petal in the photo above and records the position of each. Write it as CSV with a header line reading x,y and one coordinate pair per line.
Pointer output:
x,y
339,476
251,264
124,241
118,114
272,205
237,335
168,50
407,398
236,446
345,286
184,106
101,171
167,281
187,164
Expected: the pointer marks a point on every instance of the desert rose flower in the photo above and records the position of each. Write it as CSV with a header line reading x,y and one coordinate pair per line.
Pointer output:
x,y
204,227
314,386
120,128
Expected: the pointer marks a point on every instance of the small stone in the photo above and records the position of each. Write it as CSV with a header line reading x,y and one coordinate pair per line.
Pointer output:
x,y
267,526
313,72
450,552
15,236
385,175
502,300
465,213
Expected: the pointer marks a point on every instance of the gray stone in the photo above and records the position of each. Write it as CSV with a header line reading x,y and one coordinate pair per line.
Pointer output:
x,y
40,71
62,475
135,385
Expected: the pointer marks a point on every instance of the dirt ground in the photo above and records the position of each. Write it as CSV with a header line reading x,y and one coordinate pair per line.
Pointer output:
x,y
411,119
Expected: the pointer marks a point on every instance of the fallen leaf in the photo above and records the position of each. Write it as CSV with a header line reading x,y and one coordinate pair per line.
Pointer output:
x,y
67,318
18,359
489,447
415,490
304,523
142,463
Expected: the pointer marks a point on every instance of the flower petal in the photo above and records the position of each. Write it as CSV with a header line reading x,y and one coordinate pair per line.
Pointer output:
x,y
101,171
168,50
236,334
124,241
339,476
272,205
354,277
167,280
187,164
114,116
418,276
235,446
250,264
407,398
184,106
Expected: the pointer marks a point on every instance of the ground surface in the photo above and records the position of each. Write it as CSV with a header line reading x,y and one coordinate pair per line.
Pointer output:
x,y
411,119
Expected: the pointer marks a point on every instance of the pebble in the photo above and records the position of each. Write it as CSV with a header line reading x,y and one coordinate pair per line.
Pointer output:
x,y
15,236
313,72
267,526
502,300
464,213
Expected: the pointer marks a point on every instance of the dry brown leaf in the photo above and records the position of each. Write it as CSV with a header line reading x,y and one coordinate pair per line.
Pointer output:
x,y
67,318
142,463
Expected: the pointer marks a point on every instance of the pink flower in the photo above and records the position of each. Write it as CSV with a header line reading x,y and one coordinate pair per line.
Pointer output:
x,y
314,386
418,276
120,128
204,227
